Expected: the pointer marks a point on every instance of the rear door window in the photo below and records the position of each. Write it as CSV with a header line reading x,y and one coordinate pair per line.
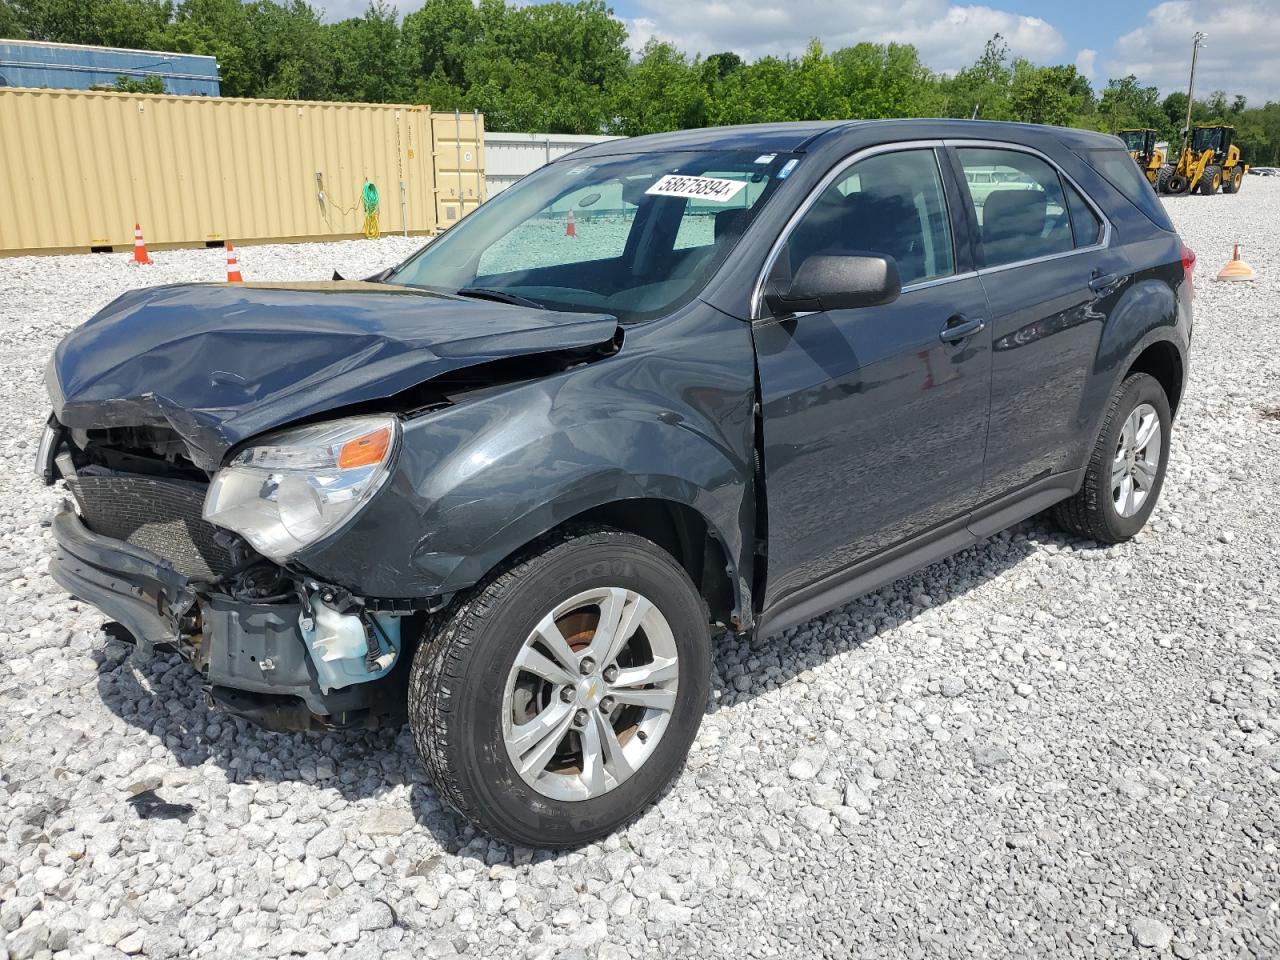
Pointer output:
x,y
1022,210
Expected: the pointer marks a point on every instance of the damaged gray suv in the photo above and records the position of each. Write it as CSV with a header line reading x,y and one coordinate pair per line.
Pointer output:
x,y
511,488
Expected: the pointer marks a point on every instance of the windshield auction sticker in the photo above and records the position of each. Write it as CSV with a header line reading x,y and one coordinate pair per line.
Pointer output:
x,y
697,188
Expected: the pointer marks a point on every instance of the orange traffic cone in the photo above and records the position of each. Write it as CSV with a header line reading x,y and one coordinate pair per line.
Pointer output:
x,y
233,266
569,229
1236,269
140,254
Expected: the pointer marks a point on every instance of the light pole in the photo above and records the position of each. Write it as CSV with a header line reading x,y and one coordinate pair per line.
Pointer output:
x,y
1197,43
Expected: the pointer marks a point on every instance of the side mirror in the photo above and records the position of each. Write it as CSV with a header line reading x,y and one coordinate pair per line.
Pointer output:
x,y
839,283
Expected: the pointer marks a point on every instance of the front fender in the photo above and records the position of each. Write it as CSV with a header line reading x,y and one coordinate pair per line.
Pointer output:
x,y
477,481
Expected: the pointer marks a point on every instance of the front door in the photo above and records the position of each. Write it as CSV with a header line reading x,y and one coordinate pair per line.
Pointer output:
x,y
875,419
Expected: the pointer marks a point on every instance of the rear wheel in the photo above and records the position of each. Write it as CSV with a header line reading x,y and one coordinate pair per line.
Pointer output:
x,y
1162,178
1232,179
1126,472
1210,180
559,697
1177,184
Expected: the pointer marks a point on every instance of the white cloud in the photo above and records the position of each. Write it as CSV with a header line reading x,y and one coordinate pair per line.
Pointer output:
x,y
949,36
335,10
1086,63
1240,56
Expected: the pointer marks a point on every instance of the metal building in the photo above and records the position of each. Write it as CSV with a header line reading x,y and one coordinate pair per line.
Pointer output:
x,y
509,156
71,66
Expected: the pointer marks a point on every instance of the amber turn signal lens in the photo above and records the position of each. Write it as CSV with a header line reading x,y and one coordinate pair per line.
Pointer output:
x,y
365,451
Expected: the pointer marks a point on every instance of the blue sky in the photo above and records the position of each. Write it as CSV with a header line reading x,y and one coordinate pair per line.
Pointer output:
x,y
1104,38
1077,20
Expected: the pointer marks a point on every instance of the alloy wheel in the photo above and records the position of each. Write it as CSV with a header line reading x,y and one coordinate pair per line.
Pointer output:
x,y
590,693
1136,465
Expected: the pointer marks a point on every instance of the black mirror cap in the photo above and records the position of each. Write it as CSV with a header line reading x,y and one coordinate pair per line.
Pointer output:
x,y
839,282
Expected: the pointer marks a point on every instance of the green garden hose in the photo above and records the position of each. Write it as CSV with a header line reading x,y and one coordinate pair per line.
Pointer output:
x,y
369,197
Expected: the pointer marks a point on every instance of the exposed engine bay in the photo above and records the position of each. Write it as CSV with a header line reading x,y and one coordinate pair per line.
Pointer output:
x,y
274,645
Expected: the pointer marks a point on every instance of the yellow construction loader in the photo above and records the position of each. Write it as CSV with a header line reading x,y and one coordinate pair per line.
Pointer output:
x,y
1141,145
1209,161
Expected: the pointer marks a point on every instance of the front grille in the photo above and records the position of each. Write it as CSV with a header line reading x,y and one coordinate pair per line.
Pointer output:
x,y
154,513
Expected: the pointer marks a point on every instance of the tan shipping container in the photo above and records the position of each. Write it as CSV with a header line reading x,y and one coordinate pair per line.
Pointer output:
x,y
459,149
79,168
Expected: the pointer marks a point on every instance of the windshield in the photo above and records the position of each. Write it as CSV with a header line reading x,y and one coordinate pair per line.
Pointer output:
x,y
1135,140
633,235
1206,138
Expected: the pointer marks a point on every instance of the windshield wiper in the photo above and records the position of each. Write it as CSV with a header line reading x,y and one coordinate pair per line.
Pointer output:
x,y
501,296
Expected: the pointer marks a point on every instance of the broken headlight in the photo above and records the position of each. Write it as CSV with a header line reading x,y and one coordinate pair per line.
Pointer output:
x,y
294,487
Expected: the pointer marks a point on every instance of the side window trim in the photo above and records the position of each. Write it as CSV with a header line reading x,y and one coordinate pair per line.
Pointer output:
x,y
964,222
833,175
953,145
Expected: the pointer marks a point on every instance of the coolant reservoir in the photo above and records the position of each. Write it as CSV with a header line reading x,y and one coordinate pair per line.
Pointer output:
x,y
339,650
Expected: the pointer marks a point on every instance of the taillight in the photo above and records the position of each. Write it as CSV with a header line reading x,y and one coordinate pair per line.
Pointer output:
x,y
1188,264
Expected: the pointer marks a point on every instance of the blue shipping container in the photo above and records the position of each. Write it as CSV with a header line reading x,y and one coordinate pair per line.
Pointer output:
x,y
68,66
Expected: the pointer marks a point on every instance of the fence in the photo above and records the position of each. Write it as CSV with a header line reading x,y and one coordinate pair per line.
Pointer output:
x,y
512,155
79,168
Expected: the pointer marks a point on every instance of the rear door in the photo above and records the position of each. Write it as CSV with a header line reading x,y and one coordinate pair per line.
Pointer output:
x,y
1050,276
875,419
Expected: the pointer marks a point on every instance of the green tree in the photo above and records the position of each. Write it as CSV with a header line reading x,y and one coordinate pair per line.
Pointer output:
x,y
438,38
886,80
220,28
1053,95
367,59
663,90
150,84
552,67
754,94
121,23
292,59
11,22
815,91
983,89
1126,104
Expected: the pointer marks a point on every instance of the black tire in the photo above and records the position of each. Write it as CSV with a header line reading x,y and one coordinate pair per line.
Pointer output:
x,y
1092,512
1176,184
1162,178
1232,179
1210,180
460,672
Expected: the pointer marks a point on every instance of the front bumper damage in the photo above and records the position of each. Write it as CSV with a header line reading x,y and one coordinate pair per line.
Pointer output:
x,y
253,656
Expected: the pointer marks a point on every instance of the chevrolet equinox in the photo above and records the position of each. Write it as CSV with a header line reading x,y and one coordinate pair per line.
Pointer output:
x,y
511,488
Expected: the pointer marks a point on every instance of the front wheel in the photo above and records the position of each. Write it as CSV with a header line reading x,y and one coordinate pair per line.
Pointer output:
x,y
1210,180
1126,472
557,699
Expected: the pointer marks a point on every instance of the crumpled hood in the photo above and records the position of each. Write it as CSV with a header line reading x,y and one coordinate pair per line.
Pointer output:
x,y
222,362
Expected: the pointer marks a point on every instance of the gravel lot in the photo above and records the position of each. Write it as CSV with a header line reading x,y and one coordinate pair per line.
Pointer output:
x,y
1036,748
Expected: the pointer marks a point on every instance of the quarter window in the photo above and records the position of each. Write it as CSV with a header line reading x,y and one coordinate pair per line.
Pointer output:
x,y
1021,210
1084,222
891,203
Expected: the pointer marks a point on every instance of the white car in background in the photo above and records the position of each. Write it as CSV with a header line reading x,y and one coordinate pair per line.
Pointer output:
x,y
984,182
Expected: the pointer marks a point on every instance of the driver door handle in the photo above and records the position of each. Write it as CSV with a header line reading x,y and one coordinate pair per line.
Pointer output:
x,y
960,327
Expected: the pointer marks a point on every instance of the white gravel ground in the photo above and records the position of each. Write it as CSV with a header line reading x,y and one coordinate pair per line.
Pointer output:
x,y
1036,748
